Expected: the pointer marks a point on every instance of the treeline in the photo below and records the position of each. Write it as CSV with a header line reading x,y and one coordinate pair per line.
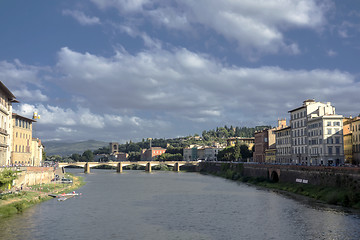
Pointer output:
x,y
227,132
174,146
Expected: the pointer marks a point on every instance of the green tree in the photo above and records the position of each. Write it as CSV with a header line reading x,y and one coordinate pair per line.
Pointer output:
x,y
134,156
237,153
169,157
227,154
245,152
102,150
87,156
6,178
175,150
76,157
43,156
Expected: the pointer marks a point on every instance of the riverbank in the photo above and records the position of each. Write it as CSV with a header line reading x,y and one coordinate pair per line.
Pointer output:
x,y
18,201
340,196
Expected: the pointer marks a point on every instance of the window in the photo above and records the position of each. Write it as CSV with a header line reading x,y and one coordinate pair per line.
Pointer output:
x,y
336,123
330,150
329,123
337,140
337,150
329,131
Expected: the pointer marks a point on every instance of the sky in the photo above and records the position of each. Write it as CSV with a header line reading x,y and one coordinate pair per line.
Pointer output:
x,y
120,70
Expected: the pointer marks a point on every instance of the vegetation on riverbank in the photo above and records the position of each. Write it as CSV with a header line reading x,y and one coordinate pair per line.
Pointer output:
x,y
346,197
17,202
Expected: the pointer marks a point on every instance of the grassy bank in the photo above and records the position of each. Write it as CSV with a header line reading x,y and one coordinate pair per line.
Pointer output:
x,y
17,202
346,197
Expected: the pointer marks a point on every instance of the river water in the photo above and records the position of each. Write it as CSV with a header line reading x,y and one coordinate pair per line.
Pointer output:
x,y
170,205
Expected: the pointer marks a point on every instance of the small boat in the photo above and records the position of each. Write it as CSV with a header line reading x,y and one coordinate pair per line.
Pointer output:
x,y
62,199
65,195
72,194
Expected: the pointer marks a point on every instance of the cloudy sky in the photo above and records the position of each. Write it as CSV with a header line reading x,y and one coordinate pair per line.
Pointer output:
x,y
119,70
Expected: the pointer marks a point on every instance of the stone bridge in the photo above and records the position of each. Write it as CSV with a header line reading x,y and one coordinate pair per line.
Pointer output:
x,y
119,165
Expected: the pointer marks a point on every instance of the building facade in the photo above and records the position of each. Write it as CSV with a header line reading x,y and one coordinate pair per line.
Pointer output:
x,y
270,155
312,139
261,144
264,140
151,153
242,141
190,153
325,140
347,132
6,100
36,152
211,153
355,127
22,140
283,145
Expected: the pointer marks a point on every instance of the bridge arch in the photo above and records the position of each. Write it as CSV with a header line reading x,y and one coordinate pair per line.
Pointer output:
x,y
274,176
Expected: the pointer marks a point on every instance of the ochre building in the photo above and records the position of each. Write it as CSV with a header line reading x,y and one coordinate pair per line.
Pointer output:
x,y
22,141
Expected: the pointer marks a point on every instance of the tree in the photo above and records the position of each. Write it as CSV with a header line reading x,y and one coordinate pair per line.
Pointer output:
x,y
76,157
87,156
245,152
169,157
226,154
102,150
134,156
6,178
237,153
43,156
174,150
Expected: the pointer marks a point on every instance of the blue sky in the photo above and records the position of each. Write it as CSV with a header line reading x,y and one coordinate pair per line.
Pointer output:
x,y
120,70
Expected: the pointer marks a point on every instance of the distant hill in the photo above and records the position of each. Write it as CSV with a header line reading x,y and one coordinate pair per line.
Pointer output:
x,y
68,148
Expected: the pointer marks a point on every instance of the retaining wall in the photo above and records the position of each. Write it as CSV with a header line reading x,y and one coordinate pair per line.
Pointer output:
x,y
34,176
315,175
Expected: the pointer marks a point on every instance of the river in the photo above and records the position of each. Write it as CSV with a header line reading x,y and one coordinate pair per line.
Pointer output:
x,y
170,205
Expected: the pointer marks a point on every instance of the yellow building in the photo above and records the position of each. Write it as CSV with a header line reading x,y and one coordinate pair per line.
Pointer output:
x,y
6,100
270,155
22,141
242,141
355,127
348,147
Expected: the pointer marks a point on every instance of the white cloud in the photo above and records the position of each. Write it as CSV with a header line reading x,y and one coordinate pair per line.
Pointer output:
x,y
122,5
18,74
133,32
65,130
257,26
30,95
155,92
82,124
189,85
81,17
331,53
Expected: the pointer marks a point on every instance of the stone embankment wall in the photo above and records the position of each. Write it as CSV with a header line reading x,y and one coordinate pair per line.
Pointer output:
x,y
315,175
34,176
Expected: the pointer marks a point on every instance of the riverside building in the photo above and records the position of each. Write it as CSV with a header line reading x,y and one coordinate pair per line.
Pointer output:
x,y
316,134
6,100
283,145
22,141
